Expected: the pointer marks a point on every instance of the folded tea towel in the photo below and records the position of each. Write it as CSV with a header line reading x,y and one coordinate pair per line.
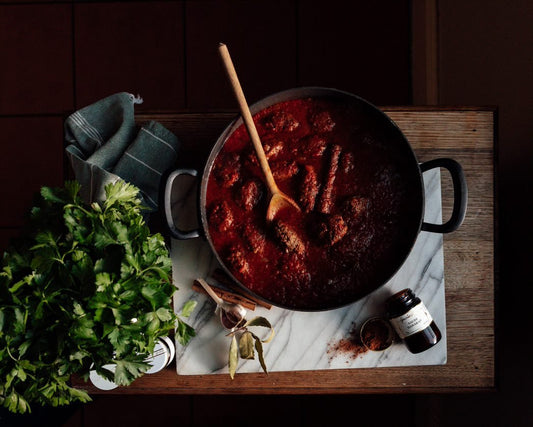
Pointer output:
x,y
104,145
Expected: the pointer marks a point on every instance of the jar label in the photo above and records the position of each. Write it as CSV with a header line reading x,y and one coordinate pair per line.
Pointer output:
x,y
415,320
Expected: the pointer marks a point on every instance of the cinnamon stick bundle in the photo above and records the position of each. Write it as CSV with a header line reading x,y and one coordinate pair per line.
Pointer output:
x,y
225,295
220,276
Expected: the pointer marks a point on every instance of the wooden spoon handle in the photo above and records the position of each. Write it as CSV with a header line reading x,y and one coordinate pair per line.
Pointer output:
x,y
247,117
210,291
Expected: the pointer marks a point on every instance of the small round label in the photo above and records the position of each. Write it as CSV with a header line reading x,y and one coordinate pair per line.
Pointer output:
x,y
415,320
101,382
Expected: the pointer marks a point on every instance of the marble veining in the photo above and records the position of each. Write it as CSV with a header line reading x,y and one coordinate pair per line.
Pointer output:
x,y
305,341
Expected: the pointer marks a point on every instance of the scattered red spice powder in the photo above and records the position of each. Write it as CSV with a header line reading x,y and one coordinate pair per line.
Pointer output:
x,y
376,337
351,345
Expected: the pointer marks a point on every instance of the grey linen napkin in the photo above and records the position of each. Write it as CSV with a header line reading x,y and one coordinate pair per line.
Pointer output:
x,y
104,145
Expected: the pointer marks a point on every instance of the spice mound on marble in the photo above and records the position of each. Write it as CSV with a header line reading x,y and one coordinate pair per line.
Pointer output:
x,y
376,334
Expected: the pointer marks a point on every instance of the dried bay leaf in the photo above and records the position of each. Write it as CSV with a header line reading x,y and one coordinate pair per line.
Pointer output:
x,y
246,346
261,321
233,357
259,348
258,321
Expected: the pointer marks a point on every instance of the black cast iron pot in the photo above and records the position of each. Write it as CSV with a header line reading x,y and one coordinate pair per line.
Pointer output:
x,y
394,135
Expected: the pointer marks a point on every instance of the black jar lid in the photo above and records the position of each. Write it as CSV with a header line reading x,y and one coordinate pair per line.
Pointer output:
x,y
400,302
402,296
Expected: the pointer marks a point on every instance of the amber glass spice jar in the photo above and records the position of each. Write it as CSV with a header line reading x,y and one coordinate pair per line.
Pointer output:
x,y
412,321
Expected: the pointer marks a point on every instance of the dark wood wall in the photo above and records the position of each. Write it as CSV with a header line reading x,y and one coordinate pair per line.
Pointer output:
x,y
58,56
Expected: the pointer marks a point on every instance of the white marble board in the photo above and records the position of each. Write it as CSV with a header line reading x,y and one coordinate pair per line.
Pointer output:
x,y
303,340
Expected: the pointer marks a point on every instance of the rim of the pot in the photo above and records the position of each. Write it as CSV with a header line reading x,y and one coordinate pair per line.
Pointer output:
x,y
288,95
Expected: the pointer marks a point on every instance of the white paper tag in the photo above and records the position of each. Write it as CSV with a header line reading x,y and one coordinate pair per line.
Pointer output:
x,y
415,320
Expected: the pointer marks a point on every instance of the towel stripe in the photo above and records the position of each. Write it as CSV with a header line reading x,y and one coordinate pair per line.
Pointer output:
x,y
87,127
80,125
74,117
87,131
141,162
159,139
95,130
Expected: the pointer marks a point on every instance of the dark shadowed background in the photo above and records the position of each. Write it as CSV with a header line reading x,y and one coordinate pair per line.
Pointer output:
x,y
58,56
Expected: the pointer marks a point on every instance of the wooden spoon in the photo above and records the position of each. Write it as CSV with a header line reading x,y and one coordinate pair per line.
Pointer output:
x,y
278,199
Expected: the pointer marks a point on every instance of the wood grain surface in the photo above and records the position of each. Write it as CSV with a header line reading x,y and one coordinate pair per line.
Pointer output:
x,y
465,134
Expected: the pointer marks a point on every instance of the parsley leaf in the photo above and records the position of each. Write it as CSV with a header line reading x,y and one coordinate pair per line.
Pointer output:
x,y
84,287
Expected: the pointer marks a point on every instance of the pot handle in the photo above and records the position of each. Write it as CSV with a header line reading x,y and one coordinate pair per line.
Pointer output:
x,y
174,231
460,195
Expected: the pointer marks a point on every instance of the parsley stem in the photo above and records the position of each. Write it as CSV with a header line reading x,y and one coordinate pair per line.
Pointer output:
x,y
73,206
10,355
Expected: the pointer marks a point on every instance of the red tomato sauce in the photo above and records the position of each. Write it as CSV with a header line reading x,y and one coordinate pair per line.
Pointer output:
x,y
353,185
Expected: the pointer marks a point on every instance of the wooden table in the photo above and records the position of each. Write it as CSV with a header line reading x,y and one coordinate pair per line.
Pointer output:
x,y
464,134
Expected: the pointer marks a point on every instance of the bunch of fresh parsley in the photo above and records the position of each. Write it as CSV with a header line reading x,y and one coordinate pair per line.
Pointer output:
x,y
85,287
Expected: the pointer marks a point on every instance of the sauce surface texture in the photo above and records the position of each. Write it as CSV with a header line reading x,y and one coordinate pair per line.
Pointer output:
x,y
359,194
